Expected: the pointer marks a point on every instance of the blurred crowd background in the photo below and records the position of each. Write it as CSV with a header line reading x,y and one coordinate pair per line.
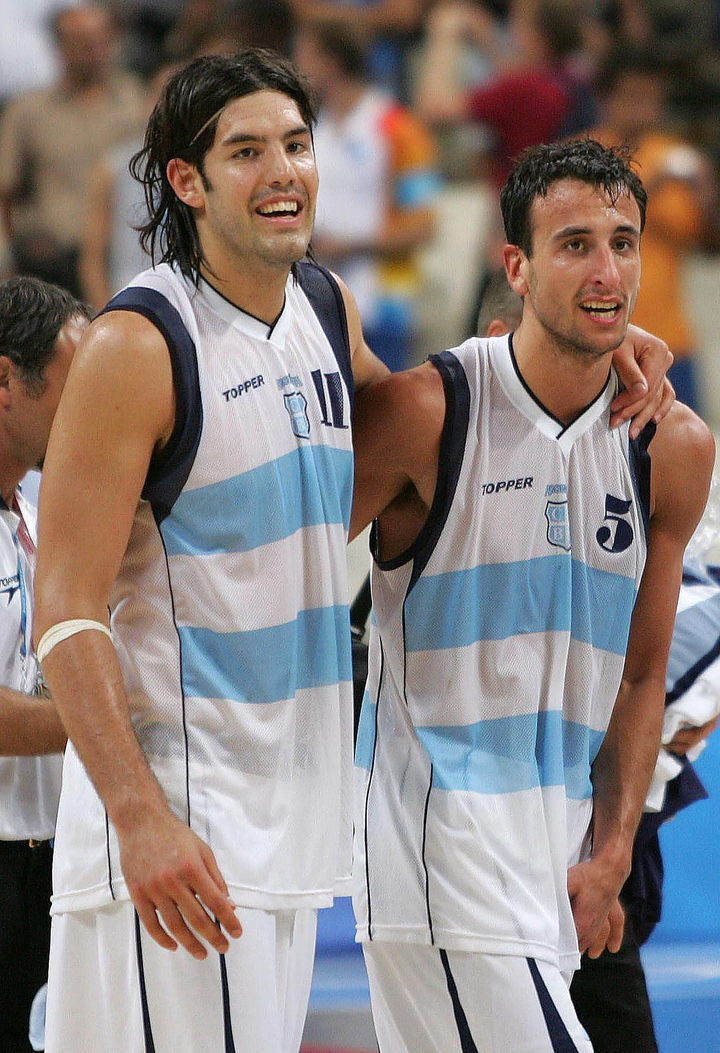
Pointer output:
x,y
422,104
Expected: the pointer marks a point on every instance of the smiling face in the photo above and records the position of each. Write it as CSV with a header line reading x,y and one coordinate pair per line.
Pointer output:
x,y
581,280
254,200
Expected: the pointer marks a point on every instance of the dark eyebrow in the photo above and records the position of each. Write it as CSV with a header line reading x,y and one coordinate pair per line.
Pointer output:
x,y
569,232
234,140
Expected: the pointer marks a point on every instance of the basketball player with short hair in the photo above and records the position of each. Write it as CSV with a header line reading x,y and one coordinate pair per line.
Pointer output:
x,y
198,485
526,574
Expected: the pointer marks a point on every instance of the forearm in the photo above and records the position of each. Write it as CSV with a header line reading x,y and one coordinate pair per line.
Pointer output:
x,y
622,772
29,725
438,97
84,676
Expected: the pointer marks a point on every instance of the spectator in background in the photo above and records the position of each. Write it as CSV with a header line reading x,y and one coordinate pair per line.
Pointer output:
x,y
528,99
110,250
681,215
27,55
50,139
392,26
377,187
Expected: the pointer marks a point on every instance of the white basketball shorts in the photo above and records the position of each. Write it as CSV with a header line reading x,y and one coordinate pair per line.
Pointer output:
x,y
427,1000
113,989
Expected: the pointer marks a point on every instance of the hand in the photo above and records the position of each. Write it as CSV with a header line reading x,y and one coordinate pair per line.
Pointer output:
x,y
599,918
176,886
688,737
642,360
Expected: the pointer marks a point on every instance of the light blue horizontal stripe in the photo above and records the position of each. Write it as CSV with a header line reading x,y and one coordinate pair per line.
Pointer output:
x,y
310,486
501,600
268,665
365,743
505,755
512,754
697,630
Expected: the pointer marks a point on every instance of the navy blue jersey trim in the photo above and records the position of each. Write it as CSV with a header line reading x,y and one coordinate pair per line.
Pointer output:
x,y
181,689
147,1027
170,467
107,856
426,810
557,1031
452,451
327,302
561,424
368,791
467,1042
227,1021
640,469
703,630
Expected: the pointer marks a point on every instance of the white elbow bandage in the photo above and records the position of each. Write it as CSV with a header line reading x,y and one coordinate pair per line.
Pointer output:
x,y
57,633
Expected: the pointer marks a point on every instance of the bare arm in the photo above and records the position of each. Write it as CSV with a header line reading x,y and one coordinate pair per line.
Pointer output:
x,y
397,427
110,420
682,459
95,242
29,725
385,16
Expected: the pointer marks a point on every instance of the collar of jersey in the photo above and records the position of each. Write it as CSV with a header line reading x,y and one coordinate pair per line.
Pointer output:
x,y
244,321
512,383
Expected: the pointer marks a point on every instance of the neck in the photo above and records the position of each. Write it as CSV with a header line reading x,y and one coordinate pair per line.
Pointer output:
x,y
564,381
261,294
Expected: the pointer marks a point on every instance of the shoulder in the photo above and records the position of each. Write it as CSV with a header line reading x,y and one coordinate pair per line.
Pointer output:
x,y
406,406
683,455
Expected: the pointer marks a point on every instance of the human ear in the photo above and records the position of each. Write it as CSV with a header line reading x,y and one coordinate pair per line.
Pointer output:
x,y
515,262
185,180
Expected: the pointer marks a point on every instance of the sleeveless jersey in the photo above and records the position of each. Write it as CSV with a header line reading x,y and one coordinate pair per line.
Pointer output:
x,y
496,654
229,614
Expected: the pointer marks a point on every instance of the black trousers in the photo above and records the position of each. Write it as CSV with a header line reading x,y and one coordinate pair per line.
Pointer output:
x,y
611,999
25,886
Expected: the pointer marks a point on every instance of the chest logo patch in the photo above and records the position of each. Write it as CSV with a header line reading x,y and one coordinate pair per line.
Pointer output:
x,y
296,405
558,525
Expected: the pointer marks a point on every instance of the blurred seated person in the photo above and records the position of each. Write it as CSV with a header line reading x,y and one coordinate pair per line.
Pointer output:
x,y
378,185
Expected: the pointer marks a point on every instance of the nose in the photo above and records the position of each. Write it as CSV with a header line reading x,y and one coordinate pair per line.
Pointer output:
x,y
605,267
280,169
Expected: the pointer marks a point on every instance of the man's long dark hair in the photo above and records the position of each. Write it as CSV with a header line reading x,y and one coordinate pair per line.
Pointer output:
x,y
183,125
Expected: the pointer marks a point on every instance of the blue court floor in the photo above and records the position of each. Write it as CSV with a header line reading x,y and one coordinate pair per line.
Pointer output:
x,y
683,980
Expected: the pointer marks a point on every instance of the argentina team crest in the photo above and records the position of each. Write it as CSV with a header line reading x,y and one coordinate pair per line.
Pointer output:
x,y
556,514
296,405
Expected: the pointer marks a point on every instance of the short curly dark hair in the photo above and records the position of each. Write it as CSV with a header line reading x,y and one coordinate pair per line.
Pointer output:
x,y
32,313
607,168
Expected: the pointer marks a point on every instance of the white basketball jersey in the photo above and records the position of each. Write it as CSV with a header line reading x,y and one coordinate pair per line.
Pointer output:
x,y
496,655
230,612
29,786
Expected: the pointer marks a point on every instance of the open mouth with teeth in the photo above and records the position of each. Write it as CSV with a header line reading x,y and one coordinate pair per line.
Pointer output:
x,y
601,310
279,208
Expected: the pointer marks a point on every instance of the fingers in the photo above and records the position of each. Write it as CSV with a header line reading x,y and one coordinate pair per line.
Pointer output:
x,y
640,410
187,902
616,919
598,943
